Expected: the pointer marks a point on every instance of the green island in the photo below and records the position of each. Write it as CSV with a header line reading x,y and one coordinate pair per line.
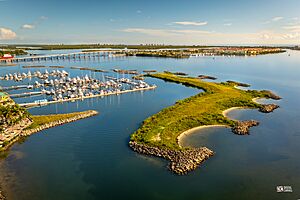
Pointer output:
x,y
158,134
17,123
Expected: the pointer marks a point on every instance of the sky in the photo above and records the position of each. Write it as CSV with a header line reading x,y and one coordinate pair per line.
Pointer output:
x,y
191,22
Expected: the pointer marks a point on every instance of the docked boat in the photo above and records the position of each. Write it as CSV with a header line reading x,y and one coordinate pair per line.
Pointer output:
x,y
6,56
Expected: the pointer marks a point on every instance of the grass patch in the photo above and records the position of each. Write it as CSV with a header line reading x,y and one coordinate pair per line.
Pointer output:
x,y
39,120
202,109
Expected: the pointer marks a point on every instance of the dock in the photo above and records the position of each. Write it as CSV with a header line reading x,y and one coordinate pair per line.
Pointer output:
x,y
25,94
34,104
14,87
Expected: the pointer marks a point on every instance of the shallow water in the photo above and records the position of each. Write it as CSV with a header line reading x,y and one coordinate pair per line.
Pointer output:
x,y
90,159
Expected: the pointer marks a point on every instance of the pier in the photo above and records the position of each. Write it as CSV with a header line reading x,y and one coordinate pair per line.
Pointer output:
x,y
75,55
25,94
34,104
14,87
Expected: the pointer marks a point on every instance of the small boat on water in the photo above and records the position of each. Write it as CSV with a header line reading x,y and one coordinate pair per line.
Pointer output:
x,y
6,56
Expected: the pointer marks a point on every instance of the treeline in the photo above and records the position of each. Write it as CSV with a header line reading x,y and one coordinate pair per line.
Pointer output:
x,y
13,52
11,113
96,46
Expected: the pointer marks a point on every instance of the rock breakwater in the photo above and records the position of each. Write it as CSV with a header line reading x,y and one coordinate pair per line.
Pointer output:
x,y
267,108
242,127
86,114
182,161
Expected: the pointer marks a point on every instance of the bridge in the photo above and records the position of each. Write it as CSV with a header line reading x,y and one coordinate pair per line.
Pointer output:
x,y
88,54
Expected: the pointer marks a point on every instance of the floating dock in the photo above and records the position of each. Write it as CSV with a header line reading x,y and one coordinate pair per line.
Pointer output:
x,y
34,104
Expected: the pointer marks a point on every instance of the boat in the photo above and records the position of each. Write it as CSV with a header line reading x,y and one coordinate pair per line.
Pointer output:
x,y
7,56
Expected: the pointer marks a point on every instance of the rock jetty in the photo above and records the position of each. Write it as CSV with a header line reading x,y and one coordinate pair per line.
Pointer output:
x,y
242,127
271,95
182,161
86,114
206,77
267,108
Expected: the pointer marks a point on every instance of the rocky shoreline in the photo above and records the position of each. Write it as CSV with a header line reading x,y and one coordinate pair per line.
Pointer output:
x,y
182,161
267,108
202,76
87,114
242,127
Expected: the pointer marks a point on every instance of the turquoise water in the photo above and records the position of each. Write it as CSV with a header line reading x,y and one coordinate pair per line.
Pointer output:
x,y
90,159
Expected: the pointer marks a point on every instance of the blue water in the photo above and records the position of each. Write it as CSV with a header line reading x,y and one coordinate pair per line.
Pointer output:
x,y
90,159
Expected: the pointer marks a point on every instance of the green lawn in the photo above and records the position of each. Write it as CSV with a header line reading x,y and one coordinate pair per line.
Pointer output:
x,y
163,128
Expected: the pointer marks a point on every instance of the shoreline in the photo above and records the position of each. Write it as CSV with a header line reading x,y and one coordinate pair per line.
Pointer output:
x,y
219,100
190,131
84,115
224,113
25,133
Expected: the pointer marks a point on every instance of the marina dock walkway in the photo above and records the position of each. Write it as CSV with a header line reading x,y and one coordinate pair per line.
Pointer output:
x,y
34,104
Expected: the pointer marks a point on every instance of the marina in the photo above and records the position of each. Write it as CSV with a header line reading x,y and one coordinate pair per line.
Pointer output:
x,y
57,86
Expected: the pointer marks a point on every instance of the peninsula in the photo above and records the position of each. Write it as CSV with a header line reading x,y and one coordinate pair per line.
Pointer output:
x,y
159,134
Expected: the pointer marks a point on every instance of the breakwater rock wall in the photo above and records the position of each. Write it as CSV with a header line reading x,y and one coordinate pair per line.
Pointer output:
x,y
242,127
182,161
267,108
86,114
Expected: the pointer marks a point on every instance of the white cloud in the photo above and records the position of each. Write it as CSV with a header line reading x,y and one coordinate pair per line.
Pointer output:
x,y
292,36
190,23
28,26
139,11
275,19
152,32
190,31
164,32
44,17
7,34
227,24
294,28
263,37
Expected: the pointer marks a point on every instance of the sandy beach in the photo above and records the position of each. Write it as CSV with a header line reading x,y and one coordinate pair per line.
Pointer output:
x,y
225,113
190,131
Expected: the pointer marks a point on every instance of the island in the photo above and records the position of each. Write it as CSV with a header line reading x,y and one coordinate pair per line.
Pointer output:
x,y
209,51
16,122
159,134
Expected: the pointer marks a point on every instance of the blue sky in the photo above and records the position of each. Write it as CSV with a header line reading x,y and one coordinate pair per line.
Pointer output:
x,y
153,21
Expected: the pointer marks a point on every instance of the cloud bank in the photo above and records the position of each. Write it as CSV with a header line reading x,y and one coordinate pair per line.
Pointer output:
x,y
190,23
7,34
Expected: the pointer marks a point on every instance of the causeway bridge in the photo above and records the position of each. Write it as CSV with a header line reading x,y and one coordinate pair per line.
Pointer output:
x,y
75,55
